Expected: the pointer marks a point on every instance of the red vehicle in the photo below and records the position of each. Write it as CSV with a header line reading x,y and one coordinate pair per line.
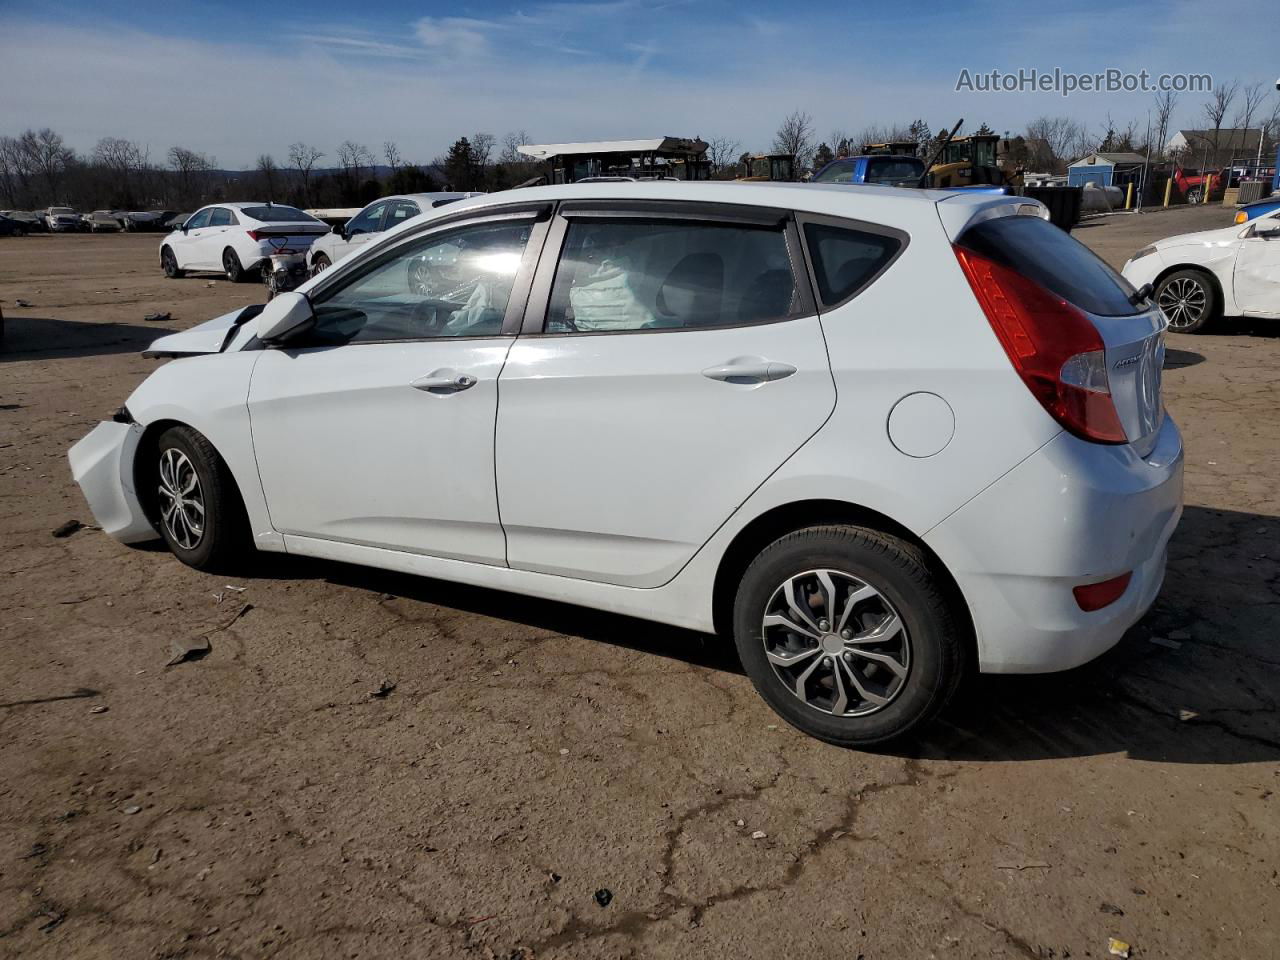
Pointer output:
x,y
1191,183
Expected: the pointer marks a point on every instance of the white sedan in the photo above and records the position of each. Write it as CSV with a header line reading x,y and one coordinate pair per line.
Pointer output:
x,y
1199,276
237,239
378,217
875,436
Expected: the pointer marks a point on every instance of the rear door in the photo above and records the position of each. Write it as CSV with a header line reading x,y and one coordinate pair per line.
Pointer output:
x,y
671,360
1257,270
213,239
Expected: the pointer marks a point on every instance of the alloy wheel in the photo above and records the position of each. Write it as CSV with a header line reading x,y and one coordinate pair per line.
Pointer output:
x,y
836,642
181,499
1183,301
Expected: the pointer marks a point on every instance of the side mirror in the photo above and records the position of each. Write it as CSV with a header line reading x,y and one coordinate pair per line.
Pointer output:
x,y
285,316
183,228
340,229
1267,231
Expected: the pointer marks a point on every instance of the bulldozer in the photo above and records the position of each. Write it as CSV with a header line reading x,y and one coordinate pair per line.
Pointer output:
x,y
969,162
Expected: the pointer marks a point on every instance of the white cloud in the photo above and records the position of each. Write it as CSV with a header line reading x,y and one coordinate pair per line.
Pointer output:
x,y
455,37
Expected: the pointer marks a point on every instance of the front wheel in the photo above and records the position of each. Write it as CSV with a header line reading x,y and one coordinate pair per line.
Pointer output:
x,y
846,633
320,264
169,263
1188,299
200,513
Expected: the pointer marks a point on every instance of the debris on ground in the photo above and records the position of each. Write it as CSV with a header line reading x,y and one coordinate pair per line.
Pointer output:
x,y
1110,908
68,528
236,589
1118,948
1162,642
382,691
211,283
184,651
157,317
98,709
22,303
132,810
55,917
1031,865
1185,715
604,896
759,835
564,751
1179,634
472,921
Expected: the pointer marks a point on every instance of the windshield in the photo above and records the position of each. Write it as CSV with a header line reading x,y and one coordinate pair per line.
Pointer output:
x,y
278,213
894,170
61,210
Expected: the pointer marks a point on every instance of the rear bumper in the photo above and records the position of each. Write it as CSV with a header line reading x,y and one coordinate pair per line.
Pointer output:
x,y
102,464
1072,513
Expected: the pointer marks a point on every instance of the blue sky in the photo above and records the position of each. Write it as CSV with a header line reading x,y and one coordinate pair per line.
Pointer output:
x,y
233,81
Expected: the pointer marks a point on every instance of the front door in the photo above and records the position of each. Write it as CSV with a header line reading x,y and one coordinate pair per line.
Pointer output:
x,y
186,244
667,369
377,429
1257,271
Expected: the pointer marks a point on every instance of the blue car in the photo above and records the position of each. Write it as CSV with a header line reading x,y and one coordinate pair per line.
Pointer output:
x,y
884,169
1259,208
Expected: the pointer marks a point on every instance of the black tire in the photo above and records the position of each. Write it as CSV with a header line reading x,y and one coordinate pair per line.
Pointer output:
x,y
231,266
320,264
1189,299
223,538
934,647
169,264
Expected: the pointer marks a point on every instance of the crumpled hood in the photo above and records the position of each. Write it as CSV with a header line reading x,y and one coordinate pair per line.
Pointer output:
x,y
207,337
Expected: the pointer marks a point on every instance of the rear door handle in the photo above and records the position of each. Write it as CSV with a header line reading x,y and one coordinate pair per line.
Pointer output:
x,y
444,382
749,370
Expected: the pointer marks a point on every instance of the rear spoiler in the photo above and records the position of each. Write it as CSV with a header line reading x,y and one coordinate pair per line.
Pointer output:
x,y
959,210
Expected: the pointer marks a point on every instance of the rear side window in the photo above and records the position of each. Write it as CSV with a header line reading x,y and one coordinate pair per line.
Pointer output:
x,y
891,170
616,276
839,172
846,259
1052,258
279,213
221,218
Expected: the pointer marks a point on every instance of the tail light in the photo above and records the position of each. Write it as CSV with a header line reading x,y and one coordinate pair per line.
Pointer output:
x,y
1052,345
255,236
1095,596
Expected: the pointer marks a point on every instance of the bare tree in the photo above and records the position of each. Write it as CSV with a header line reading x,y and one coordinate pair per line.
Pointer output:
x,y
795,136
481,149
723,152
1166,102
47,156
303,158
1252,98
269,173
124,164
1216,107
192,170
392,152
1060,137
16,173
510,143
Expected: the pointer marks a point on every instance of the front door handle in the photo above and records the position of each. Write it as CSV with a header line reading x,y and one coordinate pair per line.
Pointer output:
x,y
444,382
749,370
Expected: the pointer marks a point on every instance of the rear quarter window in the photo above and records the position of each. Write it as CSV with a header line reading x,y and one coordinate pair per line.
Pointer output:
x,y
1054,259
846,259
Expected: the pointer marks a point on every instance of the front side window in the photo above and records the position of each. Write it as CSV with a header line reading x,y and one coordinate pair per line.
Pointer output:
x,y
625,275
200,219
368,220
451,285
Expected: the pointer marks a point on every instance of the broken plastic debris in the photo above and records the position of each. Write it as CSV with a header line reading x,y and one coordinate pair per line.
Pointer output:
x,y
1162,642
1110,908
384,689
184,651
1185,715
564,751
1118,948
68,528
604,896
132,810
156,317
22,303
98,709
758,835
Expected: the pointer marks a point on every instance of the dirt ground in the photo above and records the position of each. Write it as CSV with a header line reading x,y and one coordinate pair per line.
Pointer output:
x,y
261,803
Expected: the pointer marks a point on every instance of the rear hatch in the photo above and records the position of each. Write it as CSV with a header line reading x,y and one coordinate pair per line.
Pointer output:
x,y
1087,345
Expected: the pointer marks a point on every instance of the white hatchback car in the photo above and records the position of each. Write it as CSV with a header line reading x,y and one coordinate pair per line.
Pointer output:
x,y
875,435
378,217
237,239
1199,276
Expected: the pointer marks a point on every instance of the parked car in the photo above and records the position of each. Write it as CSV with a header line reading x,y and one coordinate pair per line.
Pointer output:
x,y
102,221
1251,211
63,220
236,239
1198,277
147,220
376,218
34,222
10,227
885,169
1191,183
943,445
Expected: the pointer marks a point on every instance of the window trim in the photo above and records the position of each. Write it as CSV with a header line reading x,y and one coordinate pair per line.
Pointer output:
x,y
713,214
847,223
516,303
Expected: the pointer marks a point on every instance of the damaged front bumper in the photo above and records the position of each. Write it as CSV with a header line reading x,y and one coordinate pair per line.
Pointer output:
x,y
102,464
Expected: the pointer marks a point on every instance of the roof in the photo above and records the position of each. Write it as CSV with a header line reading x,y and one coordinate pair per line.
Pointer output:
x,y
545,151
1114,159
1243,137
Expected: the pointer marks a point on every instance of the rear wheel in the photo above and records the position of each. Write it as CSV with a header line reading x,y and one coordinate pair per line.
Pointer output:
x,y
169,263
847,635
1188,299
200,513
231,266
1195,195
319,264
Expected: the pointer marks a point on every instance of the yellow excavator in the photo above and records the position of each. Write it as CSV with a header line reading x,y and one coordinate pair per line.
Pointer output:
x,y
968,162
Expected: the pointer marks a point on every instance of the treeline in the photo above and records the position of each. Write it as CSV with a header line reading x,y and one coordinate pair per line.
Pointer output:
x,y
39,169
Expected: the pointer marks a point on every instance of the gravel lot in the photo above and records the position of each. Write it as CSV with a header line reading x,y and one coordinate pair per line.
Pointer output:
x,y
261,803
